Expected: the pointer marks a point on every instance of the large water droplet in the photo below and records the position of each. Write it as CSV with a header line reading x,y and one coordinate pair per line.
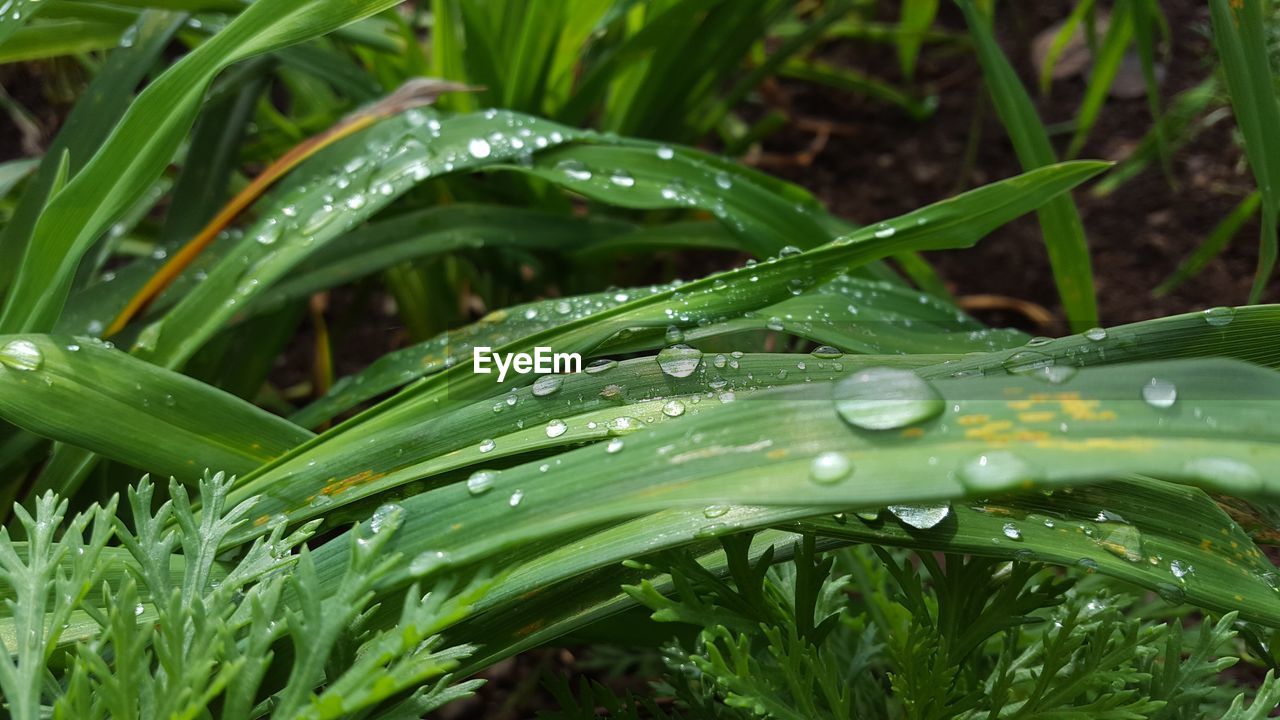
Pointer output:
x,y
1230,474
1159,393
516,498
827,352
830,468
1124,541
679,360
546,385
596,367
1026,361
921,517
487,445
1180,570
1095,334
1219,316
481,481
556,428
1011,531
885,398
996,471
21,355
478,148
673,408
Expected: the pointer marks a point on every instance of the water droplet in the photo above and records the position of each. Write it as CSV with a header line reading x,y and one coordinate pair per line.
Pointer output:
x,y
598,366
712,512
665,152
481,481
826,352
21,355
885,231
615,446
386,518
516,498
1230,474
1011,531
1219,316
1095,334
487,445
623,425
546,385
428,561
679,360
723,181
1055,374
621,178
1026,361
789,251
1171,593
921,517
996,471
673,408
1159,393
830,468
1180,570
1124,541
674,335
478,148
556,428
574,170
886,398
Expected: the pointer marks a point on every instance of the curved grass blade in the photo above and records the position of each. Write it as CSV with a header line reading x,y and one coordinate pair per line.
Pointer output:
x,y
1059,220
85,128
761,451
86,394
1213,244
412,94
956,222
1240,37
1106,64
142,143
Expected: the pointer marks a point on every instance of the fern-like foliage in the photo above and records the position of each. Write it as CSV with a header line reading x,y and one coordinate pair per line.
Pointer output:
x,y
186,633
873,633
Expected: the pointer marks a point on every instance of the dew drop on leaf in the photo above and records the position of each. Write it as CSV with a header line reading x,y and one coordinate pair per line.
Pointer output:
x,y
995,471
481,481
886,398
615,446
596,367
479,148
1233,475
1219,316
679,360
1096,334
829,468
921,517
546,385
673,408
826,352
386,518
556,428
516,498
1011,531
21,355
1160,394
487,445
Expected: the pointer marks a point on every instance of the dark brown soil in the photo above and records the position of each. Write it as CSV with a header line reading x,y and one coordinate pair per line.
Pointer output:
x,y
878,163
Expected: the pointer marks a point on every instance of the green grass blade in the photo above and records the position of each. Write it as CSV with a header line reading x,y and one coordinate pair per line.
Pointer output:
x,y
1213,244
1059,220
142,144
1240,38
1106,63
86,394
916,18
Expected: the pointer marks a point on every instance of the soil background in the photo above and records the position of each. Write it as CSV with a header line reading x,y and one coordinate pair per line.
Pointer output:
x,y
877,162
